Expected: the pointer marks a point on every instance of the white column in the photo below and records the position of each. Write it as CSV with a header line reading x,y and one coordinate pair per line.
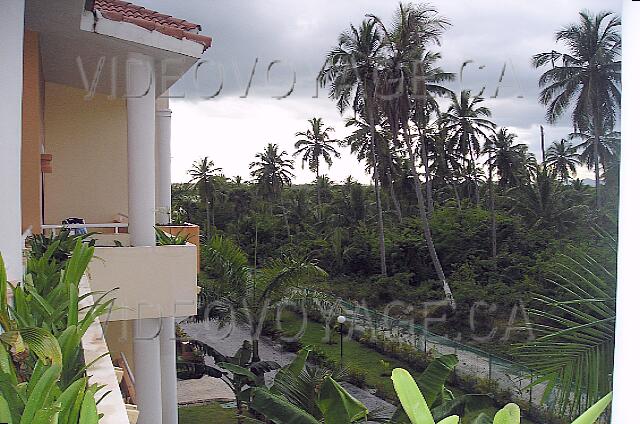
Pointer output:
x,y
163,166
626,371
168,373
11,53
146,353
141,170
141,149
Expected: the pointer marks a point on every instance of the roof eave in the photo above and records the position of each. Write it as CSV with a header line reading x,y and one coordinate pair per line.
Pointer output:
x,y
191,45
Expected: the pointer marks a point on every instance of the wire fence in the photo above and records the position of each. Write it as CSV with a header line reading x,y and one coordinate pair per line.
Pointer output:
x,y
498,373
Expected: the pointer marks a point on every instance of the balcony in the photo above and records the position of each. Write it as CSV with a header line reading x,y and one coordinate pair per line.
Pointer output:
x,y
151,282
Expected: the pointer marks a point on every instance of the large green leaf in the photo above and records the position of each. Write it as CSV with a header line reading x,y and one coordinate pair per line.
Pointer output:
x,y
5,411
298,364
68,399
510,414
431,382
591,415
238,370
89,410
460,405
279,410
337,405
411,398
39,397
42,344
454,419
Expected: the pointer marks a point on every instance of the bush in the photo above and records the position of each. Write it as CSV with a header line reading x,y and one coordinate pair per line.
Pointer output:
x,y
357,377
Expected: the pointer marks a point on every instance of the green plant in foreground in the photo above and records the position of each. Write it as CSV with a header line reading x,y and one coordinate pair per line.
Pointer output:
x,y
573,351
307,395
166,239
418,412
42,375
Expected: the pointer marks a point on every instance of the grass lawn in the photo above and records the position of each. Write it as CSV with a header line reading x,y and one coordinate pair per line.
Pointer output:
x,y
359,356
206,414
356,355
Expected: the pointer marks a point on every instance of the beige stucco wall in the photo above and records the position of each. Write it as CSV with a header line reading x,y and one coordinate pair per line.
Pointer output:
x,y
151,282
32,134
88,141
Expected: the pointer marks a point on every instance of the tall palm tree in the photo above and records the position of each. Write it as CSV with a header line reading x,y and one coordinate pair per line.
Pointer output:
x,y
272,172
360,143
493,150
588,72
351,69
316,143
414,27
562,159
469,125
202,174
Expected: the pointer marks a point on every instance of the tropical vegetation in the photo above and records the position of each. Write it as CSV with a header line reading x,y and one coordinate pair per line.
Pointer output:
x,y
459,209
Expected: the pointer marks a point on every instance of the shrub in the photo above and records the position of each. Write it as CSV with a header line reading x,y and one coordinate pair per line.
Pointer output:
x,y
357,377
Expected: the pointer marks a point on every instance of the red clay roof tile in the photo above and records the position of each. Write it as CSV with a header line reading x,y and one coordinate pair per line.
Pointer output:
x,y
118,10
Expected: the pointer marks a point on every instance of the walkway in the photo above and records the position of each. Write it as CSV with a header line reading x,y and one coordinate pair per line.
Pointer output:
x,y
227,342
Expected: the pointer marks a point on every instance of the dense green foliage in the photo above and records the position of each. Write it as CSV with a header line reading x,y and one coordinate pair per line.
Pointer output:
x,y
459,211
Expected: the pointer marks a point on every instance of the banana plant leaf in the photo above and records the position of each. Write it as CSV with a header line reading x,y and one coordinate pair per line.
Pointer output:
x,y
431,384
337,405
279,410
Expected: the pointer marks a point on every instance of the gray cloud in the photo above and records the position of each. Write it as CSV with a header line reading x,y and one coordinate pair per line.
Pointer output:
x,y
492,33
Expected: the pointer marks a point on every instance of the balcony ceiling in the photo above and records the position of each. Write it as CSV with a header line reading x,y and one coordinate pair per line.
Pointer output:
x,y
64,44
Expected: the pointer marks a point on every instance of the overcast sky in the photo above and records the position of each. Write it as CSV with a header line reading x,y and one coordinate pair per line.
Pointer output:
x,y
231,128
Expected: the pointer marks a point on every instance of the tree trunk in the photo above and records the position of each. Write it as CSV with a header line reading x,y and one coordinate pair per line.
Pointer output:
x,y
255,354
394,197
376,182
318,190
596,162
427,173
207,207
476,184
492,209
425,223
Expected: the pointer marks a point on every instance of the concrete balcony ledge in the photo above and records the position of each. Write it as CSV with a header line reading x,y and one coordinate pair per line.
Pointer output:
x,y
102,371
151,282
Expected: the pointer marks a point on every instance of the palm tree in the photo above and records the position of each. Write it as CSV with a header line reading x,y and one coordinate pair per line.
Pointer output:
x,y
608,148
543,203
360,143
510,161
316,143
351,69
469,126
251,293
562,158
590,72
202,173
272,172
494,148
414,27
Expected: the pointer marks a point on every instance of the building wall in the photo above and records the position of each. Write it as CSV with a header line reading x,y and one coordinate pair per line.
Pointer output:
x,y
32,134
88,141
